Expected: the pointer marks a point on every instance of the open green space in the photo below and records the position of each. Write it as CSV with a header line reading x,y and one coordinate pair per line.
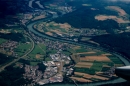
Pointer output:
x,y
66,53
81,50
2,40
52,51
108,63
85,70
104,69
115,59
22,48
71,50
97,66
39,49
48,59
33,63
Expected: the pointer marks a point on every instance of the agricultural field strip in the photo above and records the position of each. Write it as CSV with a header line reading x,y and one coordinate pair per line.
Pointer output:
x,y
84,64
37,50
97,58
22,48
84,75
87,53
115,59
80,79
57,28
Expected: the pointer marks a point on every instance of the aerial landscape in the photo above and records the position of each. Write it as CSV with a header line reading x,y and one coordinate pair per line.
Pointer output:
x,y
64,42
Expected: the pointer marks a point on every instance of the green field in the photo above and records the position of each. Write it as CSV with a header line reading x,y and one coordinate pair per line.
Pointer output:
x,y
56,28
66,53
33,63
97,66
115,59
2,40
22,48
38,49
81,49
53,51
48,59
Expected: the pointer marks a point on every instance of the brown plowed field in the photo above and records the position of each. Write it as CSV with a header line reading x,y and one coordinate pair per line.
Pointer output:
x,y
84,64
97,58
90,76
80,79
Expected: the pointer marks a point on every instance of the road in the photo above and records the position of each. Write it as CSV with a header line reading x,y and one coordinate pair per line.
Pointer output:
x,y
15,60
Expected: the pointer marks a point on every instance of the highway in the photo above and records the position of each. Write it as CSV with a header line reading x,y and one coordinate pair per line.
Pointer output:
x,y
15,60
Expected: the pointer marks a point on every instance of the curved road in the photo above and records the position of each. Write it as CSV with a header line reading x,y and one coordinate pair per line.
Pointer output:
x,y
126,62
15,60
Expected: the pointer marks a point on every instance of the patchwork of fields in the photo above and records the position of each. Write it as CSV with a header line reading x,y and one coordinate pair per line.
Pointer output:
x,y
95,66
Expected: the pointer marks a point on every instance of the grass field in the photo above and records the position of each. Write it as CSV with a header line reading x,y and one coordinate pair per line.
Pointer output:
x,y
33,63
48,59
81,50
56,28
97,66
66,53
22,48
53,51
38,51
2,40
115,59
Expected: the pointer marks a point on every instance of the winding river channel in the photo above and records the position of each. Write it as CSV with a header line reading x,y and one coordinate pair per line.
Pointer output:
x,y
126,62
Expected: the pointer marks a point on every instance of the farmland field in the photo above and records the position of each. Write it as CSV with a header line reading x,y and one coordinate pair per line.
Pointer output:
x,y
94,66
22,48
97,58
115,59
38,51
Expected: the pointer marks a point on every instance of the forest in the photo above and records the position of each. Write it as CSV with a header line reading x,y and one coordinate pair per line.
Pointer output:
x,y
84,17
116,42
13,36
5,59
12,77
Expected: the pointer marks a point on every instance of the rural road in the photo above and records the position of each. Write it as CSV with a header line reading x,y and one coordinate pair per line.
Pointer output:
x,y
15,60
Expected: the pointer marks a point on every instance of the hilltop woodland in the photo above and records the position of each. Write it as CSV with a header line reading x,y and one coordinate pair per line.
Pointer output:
x,y
116,42
84,17
5,59
13,36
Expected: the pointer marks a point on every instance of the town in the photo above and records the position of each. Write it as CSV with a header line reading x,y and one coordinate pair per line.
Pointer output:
x,y
54,72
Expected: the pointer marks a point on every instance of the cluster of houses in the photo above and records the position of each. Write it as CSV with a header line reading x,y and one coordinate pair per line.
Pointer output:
x,y
56,69
50,44
9,46
54,72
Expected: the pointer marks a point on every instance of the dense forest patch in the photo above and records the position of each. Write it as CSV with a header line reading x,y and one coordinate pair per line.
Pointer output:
x,y
117,42
84,17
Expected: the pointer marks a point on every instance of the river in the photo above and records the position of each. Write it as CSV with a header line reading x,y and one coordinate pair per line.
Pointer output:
x,y
126,62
